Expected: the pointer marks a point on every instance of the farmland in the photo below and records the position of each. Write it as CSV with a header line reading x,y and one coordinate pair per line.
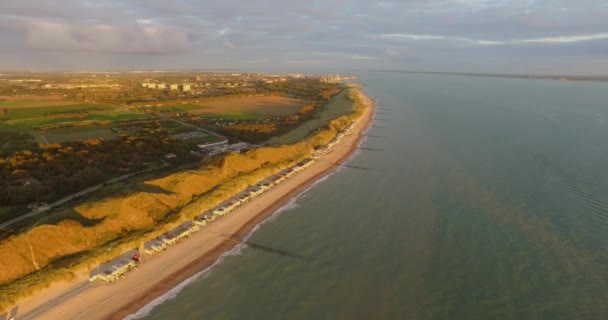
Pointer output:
x,y
243,107
59,121
64,113
78,133
32,101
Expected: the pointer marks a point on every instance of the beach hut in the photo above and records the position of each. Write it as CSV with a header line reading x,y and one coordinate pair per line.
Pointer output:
x,y
169,239
201,220
115,268
154,246
219,211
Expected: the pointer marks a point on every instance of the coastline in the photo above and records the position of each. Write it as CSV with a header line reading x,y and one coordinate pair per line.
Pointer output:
x,y
161,273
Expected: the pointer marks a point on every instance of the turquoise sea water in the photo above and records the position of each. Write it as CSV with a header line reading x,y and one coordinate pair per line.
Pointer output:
x,y
490,201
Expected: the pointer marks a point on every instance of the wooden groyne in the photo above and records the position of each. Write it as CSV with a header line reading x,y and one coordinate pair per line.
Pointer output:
x,y
269,249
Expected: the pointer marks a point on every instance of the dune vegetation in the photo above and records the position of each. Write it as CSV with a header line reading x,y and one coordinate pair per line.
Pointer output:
x,y
52,252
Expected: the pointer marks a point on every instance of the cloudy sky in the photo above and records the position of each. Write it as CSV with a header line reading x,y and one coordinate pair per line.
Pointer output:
x,y
541,36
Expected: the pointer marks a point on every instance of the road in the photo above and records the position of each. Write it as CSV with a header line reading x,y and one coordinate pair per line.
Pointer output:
x,y
66,199
69,294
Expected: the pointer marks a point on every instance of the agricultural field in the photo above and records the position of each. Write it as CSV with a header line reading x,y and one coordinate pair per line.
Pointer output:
x,y
78,133
243,108
55,120
32,104
29,111
61,111
32,101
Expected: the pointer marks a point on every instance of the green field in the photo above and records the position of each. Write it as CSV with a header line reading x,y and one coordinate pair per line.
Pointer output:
x,y
7,127
340,105
78,133
209,138
21,103
39,112
79,120
115,115
234,115
111,115
242,108
183,107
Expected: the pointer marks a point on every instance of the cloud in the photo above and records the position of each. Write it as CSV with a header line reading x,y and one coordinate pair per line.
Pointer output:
x,y
392,52
458,34
546,40
411,36
408,36
144,21
568,39
66,9
143,38
359,57
229,45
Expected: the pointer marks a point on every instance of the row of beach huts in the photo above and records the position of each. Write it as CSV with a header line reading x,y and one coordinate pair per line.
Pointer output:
x,y
328,147
116,268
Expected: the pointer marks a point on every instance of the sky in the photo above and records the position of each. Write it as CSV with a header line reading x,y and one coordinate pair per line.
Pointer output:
x,y
504,36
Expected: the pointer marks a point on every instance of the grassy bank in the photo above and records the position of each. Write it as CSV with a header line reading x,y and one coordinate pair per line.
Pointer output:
x,y
340,105
112,225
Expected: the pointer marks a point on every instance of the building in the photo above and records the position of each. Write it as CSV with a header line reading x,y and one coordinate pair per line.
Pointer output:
x,y
220,211
161,86
185,87
244,198
238,147
168,239
112,270
232,205
202,220
213,144
217,150
154,246
174,86
175,235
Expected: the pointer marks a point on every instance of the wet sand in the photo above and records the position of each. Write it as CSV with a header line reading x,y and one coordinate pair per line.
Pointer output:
x,y
158,274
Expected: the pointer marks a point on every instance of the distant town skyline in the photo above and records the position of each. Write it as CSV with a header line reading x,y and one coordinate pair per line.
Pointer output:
x,y
494,36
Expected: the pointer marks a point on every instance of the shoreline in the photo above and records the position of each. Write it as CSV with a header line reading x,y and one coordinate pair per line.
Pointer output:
x,y
163,272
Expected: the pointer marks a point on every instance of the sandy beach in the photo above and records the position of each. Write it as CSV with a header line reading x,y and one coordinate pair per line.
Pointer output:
x,y
160,273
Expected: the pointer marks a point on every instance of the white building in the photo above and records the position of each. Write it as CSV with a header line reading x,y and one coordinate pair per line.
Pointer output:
x,y
213,144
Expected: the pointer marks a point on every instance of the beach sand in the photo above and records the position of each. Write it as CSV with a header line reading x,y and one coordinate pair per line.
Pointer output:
x,y
158,274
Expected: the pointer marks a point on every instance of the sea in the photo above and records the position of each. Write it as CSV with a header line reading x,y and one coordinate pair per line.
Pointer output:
x,y
485,198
